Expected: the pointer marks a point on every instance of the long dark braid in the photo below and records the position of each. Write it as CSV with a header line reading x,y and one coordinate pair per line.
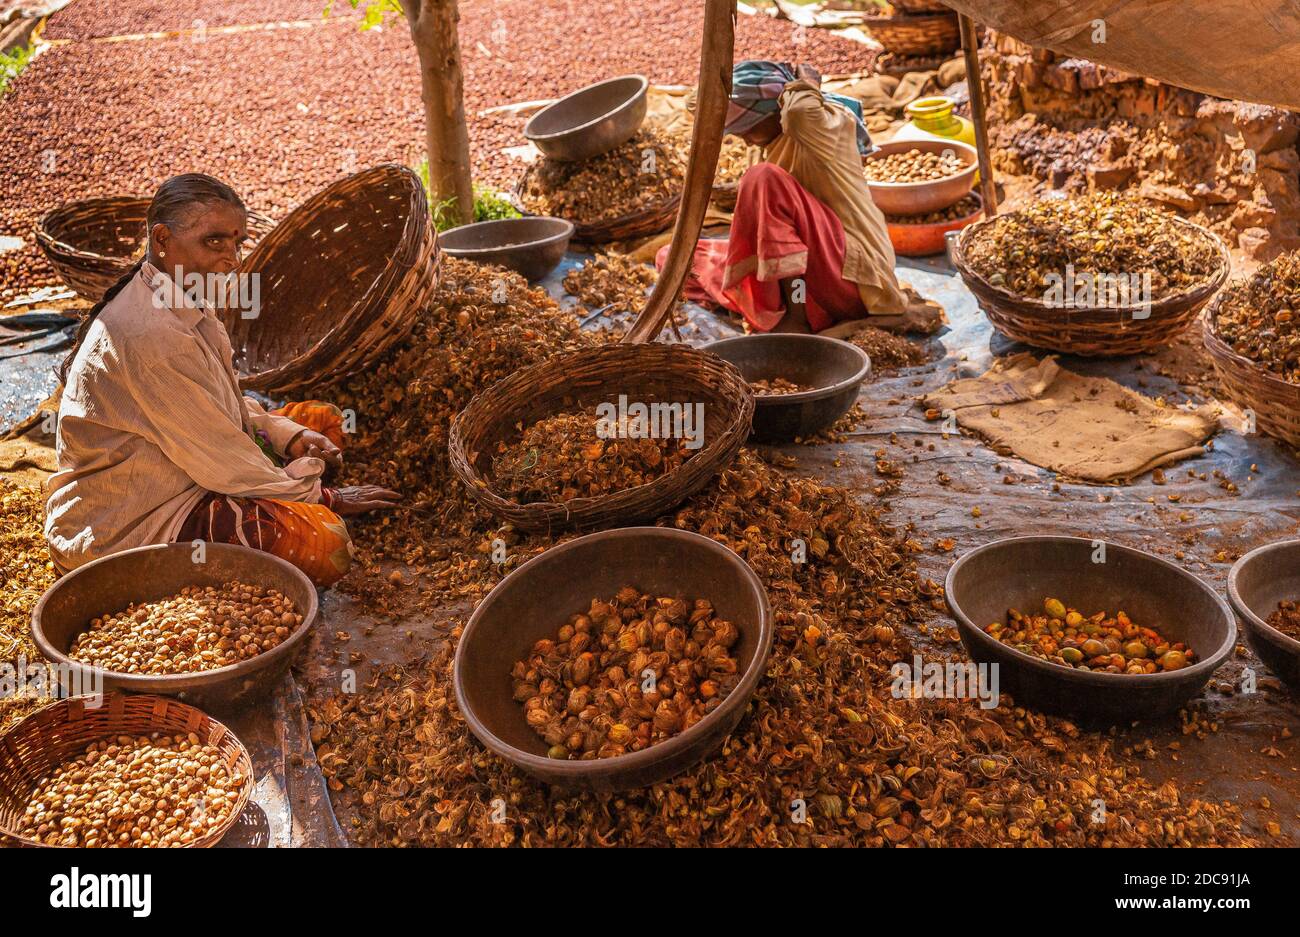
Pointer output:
x,y
169,205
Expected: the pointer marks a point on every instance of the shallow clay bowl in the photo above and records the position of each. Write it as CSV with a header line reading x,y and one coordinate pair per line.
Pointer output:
x,y
1258,581
148,573
1020,572
540,596
833,368
531,246
590,121
917,198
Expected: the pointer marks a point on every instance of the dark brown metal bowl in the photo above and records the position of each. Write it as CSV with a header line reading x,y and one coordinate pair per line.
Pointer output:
x,y
532,246
1258,581
1020,572
591,120
537,598
154,572
834,369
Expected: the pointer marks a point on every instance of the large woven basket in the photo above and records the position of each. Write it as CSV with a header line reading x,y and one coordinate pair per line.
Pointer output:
x,y
1274,402
920,6
638,224
93,242
342,278
38,744
916,34
647,373
1094,333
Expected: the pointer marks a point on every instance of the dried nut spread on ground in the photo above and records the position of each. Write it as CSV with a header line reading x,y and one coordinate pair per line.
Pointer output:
x,y
26,572
615,282
913,166
962,209
1100,234
776,387
1097,642
562,457
626,674
822,727
200,628
157,790
640,175
1260,316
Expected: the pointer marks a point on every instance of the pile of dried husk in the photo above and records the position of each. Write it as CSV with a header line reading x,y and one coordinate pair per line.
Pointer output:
x,y
823,730
1260,316
26,572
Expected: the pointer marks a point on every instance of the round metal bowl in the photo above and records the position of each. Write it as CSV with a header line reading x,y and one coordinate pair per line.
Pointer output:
x,y
149,573
922,240
1258,581
917,198
1020,572
531,246
591,120
835,370
537,598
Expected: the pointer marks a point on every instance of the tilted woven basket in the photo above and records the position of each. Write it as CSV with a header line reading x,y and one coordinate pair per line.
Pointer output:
x,y
38,744
920,6
646,373
916,34
1094,332
725,194
341,279
1274,402
637,224
93,242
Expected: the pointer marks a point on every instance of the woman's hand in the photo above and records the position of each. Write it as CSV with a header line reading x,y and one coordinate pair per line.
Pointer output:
x,y
316,445
358,499
809,74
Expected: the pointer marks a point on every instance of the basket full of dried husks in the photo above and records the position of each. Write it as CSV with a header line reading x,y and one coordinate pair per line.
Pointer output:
x,y
1094,275
121,771
615,660
601,436
1253,337
631,191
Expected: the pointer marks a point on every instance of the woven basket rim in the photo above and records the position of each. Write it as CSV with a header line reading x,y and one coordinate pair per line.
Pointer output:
x,y
70,209
911,19
480,485
582,228
226,736
1221,350
1191,295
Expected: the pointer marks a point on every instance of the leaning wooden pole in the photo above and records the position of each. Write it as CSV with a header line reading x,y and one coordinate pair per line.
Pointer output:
x,y
975,86
706,143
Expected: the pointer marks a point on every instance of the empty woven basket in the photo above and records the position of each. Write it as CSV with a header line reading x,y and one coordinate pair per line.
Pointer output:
x,y
646,373
38,744
341,279
92,242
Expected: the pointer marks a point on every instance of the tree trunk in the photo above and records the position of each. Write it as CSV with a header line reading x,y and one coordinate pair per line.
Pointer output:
x,y
434,31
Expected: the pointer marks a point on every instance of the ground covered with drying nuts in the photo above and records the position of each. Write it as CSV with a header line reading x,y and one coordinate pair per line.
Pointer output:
x,y
1260,316
626,674
157,790
200,628
25,572
1098,234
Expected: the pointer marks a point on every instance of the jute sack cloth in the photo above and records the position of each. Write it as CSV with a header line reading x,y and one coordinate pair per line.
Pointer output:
x,y
1086,428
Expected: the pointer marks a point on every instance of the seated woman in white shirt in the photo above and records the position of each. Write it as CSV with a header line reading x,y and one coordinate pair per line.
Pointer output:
x,y
157,444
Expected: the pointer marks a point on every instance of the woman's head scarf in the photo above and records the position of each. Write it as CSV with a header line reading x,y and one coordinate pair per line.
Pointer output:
x,y
756,88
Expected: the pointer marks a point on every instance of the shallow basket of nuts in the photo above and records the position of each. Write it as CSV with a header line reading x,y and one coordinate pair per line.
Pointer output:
x,y
913,177
215,625
78,774
587,478
615,660
1014,602
1130,277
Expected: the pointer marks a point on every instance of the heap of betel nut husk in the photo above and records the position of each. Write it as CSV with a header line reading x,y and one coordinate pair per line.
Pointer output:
x,y
1260,316
26,572
824,754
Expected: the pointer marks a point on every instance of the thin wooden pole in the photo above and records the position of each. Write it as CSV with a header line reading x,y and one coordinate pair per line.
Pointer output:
x,y
975,87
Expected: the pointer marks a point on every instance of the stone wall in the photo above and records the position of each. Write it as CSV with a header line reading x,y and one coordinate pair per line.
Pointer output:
x,y
1078,126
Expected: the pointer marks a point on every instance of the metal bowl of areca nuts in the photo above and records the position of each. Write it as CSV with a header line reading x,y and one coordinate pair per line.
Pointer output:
x,y
616,660
1089,628
802,383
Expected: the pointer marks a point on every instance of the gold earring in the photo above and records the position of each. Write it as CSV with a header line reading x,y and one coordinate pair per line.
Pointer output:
x,y
162,254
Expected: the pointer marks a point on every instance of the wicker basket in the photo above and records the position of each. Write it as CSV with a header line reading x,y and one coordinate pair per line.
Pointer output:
x,y
342,278
637,224
900,65
644,372
921,34
1274,402
91,243
38,744
1094,333
920,6
725,194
